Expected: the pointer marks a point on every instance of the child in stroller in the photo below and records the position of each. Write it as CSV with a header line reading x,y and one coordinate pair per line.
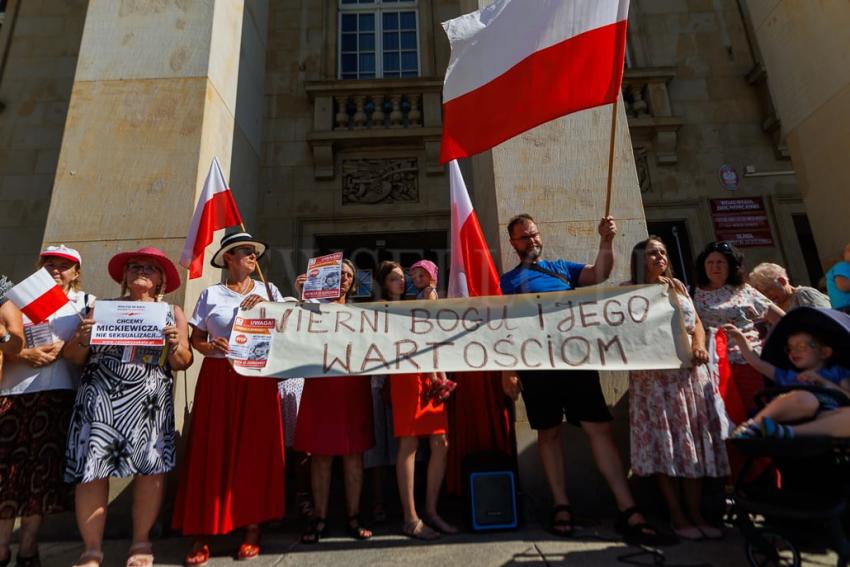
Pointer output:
x,y
811,355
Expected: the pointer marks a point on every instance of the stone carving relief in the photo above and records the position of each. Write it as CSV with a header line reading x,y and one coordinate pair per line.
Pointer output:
x,y
380,181
642,166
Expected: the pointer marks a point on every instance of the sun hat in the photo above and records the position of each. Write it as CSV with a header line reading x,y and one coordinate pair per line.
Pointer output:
x,y
230,241
119,262
429,266
62,251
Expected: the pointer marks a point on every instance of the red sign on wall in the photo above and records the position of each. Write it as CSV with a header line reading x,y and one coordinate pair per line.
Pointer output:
x,y
742,222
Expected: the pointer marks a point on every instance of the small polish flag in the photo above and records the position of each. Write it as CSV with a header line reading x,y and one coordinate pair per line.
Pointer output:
x,y
472,271
38,296
518,63
215,210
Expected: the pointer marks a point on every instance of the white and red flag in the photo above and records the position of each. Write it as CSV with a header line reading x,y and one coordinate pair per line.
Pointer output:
x,y
38,296
215,210
518,63
472,272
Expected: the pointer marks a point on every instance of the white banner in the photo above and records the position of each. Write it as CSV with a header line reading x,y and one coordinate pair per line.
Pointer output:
x,y
612,328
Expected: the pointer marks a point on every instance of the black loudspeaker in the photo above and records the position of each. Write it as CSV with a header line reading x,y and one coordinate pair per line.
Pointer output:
x,y
490,491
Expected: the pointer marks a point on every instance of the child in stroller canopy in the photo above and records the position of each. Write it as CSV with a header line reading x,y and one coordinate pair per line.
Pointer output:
x,y
817,381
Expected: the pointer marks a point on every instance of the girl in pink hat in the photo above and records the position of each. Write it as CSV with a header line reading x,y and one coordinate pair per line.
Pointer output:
x,y
424,276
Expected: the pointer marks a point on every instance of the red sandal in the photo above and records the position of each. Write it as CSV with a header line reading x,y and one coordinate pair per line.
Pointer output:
x,y
198,557
247,551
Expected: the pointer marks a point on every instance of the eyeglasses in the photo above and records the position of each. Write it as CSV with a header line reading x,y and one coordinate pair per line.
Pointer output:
x,y
528,237
142,268
721,246
245,251
801,347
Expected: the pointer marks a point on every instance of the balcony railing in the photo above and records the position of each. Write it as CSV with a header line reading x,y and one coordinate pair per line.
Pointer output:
x,y
375,112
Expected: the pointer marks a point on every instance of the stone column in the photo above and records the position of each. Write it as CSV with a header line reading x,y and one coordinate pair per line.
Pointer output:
x,y
557,173
160,89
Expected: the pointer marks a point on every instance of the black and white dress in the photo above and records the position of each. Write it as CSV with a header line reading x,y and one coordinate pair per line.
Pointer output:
x,y
123,418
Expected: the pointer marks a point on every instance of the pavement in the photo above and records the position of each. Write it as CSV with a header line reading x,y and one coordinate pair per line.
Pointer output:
x,y
528,546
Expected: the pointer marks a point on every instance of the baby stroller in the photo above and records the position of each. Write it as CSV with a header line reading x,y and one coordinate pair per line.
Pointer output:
x,y
813,472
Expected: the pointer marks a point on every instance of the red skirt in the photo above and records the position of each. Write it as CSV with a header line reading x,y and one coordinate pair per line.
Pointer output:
x,y
412,417
335,416
479,420
233,470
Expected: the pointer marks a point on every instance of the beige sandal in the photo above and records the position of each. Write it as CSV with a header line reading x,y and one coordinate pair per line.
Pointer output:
x,y
88,556
140,555
418,529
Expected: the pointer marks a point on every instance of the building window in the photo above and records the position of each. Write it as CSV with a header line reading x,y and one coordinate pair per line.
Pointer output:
x,y
378,39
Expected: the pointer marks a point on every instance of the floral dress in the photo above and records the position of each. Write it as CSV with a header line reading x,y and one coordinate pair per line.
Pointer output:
x,y
122,423
741,306
677,419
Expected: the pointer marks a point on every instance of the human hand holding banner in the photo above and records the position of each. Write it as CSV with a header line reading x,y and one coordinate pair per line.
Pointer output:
x,y
617,328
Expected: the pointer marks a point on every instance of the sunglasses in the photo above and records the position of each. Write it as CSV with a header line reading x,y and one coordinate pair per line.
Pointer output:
x,y
721,246
245,251
143,268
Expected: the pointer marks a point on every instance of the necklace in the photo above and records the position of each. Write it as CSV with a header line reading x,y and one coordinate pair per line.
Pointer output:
x,y
241,288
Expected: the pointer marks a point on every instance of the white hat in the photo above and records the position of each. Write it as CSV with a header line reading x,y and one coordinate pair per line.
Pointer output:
x,y
230,241
63,251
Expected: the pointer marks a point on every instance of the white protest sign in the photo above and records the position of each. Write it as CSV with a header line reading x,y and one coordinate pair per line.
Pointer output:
x,y
129,323
250,341
616,328
324,277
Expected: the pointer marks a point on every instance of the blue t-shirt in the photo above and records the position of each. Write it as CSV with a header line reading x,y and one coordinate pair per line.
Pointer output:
x,y
788,377
839,299
525,280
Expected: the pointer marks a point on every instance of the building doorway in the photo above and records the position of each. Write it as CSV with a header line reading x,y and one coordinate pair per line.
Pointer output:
x,y
367,251
677,239
808,248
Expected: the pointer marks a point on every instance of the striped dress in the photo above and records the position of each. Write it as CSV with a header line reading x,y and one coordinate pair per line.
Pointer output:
x,y
122,423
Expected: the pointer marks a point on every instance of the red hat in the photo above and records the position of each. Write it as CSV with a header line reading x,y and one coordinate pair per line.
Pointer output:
x,y
62,251
119,262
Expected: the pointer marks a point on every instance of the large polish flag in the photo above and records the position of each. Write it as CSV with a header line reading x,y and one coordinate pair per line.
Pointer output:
x,y
472,271
519,63
38,296
215,210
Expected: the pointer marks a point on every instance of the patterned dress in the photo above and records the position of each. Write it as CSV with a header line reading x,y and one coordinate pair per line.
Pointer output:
x,y
677,419
122,423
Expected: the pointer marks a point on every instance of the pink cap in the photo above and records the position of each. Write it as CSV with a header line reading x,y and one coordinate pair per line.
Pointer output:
x,y
62,251
429,267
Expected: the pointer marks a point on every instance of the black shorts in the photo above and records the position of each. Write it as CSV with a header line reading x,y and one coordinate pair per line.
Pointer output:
x,y
550,395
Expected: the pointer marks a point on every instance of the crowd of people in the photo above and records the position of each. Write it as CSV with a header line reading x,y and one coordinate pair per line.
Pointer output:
x,y
73,413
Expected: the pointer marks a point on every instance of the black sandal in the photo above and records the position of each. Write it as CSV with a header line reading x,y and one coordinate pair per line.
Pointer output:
x,y
641,533
315,531
357,531
562,528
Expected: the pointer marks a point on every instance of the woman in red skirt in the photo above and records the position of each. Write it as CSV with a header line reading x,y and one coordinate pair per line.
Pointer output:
x,y
417,415
232,475
335,418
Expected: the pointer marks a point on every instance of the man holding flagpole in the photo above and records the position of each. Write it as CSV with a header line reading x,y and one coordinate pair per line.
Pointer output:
x,y
550,395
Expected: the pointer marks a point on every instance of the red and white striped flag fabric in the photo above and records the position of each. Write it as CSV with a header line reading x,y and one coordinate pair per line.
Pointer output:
x,y
38,296
215,210
472,272
517,64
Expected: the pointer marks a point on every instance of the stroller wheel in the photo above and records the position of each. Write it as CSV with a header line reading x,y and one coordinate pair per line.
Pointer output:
x,y
771,549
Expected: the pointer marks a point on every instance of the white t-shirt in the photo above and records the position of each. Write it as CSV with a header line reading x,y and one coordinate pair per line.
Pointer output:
x,y
217,306
21,378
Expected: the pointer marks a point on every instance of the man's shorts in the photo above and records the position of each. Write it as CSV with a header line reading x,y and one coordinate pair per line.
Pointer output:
x,y
550,395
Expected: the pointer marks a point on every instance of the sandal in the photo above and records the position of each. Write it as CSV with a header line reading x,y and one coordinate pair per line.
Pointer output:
x,y
357,531
31,561
140,555
247,551
641,533
315,530
198,556
442,526
747,430
89,556
417,529
562,528
775,430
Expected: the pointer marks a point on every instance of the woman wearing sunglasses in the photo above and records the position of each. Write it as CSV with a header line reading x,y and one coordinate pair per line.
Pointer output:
x,y
122,424
722,296
232,474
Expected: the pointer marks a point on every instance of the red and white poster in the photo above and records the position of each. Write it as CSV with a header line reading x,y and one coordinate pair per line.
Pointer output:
x,y
741,221
324,275
250,342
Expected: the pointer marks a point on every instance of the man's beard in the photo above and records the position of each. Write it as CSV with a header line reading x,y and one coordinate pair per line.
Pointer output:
x,y
533,254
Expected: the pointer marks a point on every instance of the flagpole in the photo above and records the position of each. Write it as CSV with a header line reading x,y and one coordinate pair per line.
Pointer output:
x,y
611,155
260,270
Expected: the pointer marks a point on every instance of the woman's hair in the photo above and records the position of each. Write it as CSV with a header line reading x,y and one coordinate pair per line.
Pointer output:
x,y
766,275
158,292
353,289
638,265
384,270
75,285
733,257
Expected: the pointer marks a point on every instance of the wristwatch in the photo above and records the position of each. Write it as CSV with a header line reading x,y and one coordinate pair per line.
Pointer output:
x,y
5,338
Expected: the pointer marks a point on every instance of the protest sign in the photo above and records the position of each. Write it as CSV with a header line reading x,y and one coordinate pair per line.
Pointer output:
x,y
129,323
617,328
323,277
250,341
